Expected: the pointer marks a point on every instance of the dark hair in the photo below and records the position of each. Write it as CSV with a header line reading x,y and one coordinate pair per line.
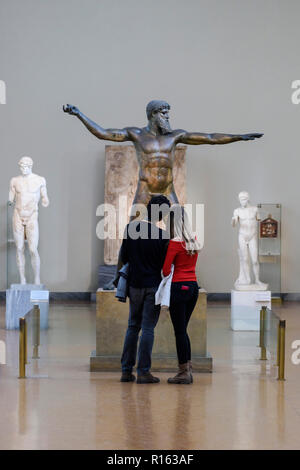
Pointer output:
x,y
154,106
158,207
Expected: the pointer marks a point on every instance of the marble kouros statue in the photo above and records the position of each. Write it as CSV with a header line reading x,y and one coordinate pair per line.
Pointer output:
x,y
155,145
26,191
247,217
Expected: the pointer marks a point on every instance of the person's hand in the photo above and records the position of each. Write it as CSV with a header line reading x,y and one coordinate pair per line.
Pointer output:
x,y
251,136
70,109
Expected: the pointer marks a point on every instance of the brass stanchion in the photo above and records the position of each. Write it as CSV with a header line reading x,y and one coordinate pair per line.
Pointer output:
x,y
281,350
278,345
22,372
25,342
261,329
36,332
263,356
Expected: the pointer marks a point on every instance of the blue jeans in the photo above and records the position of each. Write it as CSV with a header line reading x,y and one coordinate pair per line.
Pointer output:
x,y
143,315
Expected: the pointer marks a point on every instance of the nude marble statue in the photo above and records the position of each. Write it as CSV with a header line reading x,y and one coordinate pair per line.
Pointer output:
x,y
25,192
247,218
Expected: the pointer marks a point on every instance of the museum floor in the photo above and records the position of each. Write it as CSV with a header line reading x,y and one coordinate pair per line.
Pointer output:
x,y
64,406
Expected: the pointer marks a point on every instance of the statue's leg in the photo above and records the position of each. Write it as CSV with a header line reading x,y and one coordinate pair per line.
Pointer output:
x,y
253,248
244,276
32,234
141,199
138,210
19,237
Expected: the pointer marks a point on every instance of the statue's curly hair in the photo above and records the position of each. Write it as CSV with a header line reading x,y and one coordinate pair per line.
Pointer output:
x,y
26,161
156,105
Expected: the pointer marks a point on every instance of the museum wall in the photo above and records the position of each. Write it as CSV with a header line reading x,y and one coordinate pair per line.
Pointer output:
x,y
224,66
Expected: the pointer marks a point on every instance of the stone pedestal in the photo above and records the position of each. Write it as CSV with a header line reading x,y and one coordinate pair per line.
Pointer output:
x,y
112,319
106,273
245,309
18,304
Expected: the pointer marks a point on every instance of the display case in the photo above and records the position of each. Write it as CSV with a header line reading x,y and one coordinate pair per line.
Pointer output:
x,y
269,245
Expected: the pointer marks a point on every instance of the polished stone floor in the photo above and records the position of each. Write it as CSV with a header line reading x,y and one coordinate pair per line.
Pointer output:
x,y
64,406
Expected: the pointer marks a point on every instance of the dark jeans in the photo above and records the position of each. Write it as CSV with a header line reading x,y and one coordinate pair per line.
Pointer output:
x,y
143,314
184,296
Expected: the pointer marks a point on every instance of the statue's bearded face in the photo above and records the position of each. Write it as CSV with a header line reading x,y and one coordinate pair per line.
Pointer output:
x,y
162,120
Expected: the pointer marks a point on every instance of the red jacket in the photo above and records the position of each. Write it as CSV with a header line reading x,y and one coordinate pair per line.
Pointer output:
x,y
184,264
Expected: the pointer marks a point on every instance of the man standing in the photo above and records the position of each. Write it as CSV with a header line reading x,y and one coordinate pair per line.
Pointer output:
x,y
144,248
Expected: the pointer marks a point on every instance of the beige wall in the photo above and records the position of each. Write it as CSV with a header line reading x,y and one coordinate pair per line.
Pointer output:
x,y
224,66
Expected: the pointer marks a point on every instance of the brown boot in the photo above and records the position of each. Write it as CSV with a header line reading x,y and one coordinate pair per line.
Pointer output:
x,y
183,376
191,370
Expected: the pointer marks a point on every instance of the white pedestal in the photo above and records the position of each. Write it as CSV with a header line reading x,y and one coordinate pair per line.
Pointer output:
x,y
18,304
245,309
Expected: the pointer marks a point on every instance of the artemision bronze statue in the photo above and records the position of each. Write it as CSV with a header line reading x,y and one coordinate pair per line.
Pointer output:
x,y
155,145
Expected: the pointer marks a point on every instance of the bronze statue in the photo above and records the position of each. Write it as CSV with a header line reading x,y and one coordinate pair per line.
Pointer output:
x,y
155,146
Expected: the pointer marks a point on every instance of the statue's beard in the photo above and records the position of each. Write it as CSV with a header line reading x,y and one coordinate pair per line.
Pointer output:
x,y
163,125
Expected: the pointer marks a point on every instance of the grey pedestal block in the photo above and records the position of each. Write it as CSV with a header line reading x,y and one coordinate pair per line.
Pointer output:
x,y
159,363
106,273
18,304
111,325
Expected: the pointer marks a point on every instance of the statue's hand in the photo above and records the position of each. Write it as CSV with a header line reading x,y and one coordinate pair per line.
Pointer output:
x,y
45,202
70,109
251,136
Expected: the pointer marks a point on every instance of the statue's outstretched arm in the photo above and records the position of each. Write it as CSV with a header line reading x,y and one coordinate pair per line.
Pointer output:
x,y
44,194
235,218
117,135
198,138
12,192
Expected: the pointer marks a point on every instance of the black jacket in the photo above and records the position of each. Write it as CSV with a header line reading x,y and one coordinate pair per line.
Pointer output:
x,y
144,247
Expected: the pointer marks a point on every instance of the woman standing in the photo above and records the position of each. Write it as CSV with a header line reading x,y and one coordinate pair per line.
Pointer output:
x,y
182,253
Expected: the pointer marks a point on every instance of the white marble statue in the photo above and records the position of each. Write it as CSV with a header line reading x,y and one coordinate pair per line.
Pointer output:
x,y
26,191
247,217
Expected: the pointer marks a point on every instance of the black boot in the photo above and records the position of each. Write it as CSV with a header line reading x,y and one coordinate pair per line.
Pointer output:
x,y
127,377
147,378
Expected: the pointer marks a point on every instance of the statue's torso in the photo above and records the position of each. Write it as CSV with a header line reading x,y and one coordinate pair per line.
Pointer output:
x,y
28,192
156,157
248,221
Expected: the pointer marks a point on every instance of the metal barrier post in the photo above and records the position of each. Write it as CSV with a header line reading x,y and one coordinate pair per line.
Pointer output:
x,y
36,331
25,342
278,345
281,341
22,350
263,356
